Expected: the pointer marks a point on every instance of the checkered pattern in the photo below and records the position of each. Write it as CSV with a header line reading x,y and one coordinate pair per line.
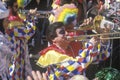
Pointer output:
x,y
65,70
19,36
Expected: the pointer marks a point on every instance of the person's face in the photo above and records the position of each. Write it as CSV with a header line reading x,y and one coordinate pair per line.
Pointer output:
x,y
61,38
15,7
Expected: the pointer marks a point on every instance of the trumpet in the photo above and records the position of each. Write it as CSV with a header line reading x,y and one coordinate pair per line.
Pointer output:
x,y
115,35
91,24
39,14
102,28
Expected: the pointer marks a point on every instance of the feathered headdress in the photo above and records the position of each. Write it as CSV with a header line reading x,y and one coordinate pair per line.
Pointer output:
x,y
66,14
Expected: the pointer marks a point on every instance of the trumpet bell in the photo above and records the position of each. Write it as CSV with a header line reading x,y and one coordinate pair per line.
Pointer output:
x,y
97,22
93,24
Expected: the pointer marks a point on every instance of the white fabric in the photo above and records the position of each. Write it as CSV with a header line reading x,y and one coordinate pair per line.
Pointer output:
x,y
4,12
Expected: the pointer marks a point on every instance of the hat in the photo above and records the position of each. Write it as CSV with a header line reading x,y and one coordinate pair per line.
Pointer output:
x,y
4,12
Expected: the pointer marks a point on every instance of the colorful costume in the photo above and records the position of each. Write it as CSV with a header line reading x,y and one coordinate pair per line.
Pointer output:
x,y
64,14
5,56
18,33
61,66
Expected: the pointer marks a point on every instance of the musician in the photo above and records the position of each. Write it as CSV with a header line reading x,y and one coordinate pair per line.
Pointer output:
x,y
61,65
18,32
112,61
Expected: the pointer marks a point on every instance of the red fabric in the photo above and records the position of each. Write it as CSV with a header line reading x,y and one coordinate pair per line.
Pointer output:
x,y
75,47
52,47
73,51
14,18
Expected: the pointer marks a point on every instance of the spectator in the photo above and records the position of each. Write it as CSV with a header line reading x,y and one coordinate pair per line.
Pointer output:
x,y
5,52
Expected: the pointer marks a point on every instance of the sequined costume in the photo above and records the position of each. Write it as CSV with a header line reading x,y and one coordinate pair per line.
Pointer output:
x,y
61,66
18,33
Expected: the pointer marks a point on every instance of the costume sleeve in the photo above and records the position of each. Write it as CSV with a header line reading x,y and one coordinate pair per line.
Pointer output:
x,y
71,67
52,57
102,52
62,65
25,31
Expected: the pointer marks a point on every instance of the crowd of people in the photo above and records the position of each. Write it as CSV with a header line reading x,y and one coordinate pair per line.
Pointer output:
x,y
64,57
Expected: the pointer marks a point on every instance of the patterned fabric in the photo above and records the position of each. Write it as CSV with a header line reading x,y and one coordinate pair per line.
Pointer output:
x,y
5,56
102,52
67,66
18,35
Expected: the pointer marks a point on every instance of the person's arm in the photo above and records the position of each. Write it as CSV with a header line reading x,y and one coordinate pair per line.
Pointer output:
x,y
25,31
86,56
101,51
73,65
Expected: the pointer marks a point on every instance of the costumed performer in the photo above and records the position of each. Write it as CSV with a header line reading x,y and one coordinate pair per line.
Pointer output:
x,y
67,13
19,31
56,57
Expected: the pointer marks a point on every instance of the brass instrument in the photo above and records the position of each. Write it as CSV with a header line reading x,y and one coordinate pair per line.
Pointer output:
x,y
102,28
115,35
92,24
39,14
